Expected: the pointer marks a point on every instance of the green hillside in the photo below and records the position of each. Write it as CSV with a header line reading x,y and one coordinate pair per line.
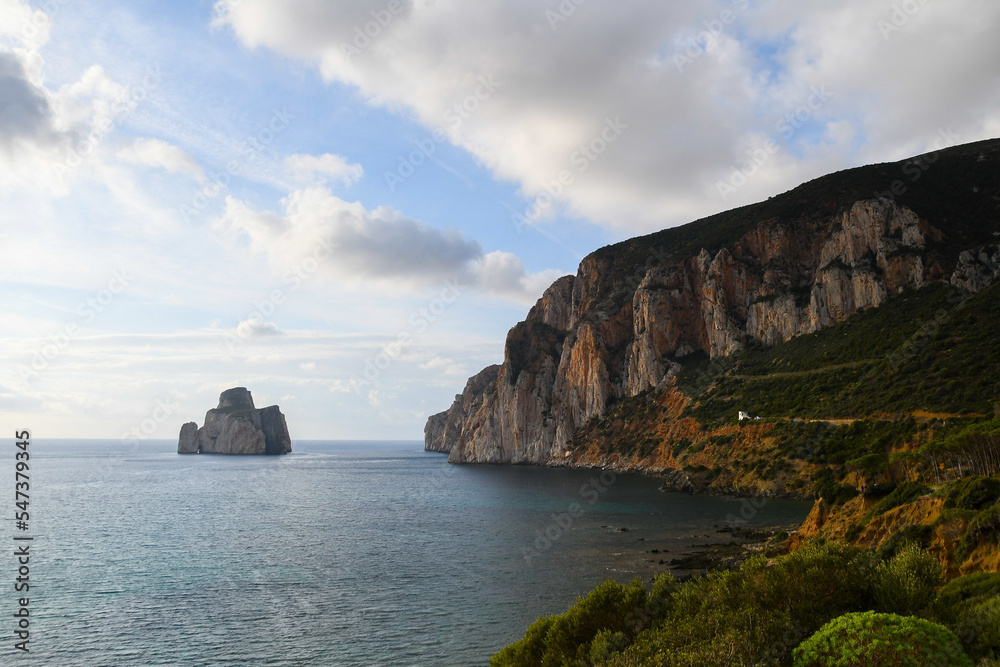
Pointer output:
x,y
935,350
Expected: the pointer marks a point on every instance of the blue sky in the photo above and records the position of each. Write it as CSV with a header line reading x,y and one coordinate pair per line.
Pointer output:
x,y
177,258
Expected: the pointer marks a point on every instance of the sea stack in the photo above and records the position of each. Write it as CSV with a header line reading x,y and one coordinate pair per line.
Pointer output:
x,y
237,427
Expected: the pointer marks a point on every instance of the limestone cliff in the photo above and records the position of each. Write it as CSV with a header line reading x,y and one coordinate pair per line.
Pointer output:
x,y
763,274
600,336
237,427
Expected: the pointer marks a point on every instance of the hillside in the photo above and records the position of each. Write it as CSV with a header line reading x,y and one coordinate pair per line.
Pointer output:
x,y
828,343
837,302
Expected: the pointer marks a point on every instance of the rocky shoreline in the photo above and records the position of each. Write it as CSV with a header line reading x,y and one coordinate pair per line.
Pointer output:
x,y
744,544
677,481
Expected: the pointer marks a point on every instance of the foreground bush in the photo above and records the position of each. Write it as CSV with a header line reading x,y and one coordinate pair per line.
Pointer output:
x,y
985,527
604,621
881,640
970,606
905,584
757,615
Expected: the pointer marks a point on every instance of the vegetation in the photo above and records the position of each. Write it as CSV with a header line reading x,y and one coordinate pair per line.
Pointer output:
x,y
878,400
931,350
879,640
985,527
905,493
971,493
761,613
890,407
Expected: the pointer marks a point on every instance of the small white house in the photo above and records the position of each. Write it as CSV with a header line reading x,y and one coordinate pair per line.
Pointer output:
x,y
746,415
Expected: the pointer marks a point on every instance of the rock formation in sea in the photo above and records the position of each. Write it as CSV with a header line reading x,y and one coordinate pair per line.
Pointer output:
x,y
758,275
237,427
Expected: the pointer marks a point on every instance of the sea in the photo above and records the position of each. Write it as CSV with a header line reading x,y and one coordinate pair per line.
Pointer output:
x,y
340,553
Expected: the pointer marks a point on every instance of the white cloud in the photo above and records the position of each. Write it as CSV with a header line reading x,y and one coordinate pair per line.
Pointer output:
x,y
23,25
255,328
328,167
503,274
47,135
445,366
160,154
382,247
689,122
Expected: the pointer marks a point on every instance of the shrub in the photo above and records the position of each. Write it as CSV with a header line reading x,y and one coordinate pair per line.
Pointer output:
x,y
971,493
833,493
905,584
979,626
905,493
600,624
605,644
753,616
917,534
986,526
970,586
870,639
970,605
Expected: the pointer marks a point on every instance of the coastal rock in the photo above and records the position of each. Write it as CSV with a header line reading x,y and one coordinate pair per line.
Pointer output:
x,y
620,325
188,442
237,427
445,428
239,436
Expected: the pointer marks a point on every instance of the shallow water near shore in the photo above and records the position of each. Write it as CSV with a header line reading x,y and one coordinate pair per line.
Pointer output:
x,y
341,553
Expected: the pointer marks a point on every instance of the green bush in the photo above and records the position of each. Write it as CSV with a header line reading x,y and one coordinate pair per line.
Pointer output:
x,y
905,584
753,616
970,606
870,639
605,644
979,626
758,614
963,589
971,493
916,534
609,616
985,527
905,493
831,492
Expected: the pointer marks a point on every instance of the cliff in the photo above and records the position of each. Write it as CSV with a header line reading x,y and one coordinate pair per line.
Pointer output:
x,y
237,427
930,520
637,312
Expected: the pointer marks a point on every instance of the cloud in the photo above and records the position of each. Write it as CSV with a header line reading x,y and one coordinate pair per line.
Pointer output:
x,y
327,166
445,366
25,113
256,328
23,25
503,274
160,154
696,86
45,134
381,246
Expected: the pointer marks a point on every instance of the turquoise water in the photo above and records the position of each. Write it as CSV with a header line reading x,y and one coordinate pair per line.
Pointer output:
x,y
338,554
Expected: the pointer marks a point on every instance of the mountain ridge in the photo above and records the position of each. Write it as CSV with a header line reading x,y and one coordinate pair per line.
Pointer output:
x,y
637,312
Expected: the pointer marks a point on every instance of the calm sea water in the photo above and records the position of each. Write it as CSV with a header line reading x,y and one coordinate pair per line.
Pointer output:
x,y
374,554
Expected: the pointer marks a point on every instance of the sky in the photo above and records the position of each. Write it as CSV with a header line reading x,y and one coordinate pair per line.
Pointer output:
x,y
345,206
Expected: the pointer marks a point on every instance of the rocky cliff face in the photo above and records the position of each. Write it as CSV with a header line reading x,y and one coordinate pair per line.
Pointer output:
x,y
793,265
611,332
237,427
